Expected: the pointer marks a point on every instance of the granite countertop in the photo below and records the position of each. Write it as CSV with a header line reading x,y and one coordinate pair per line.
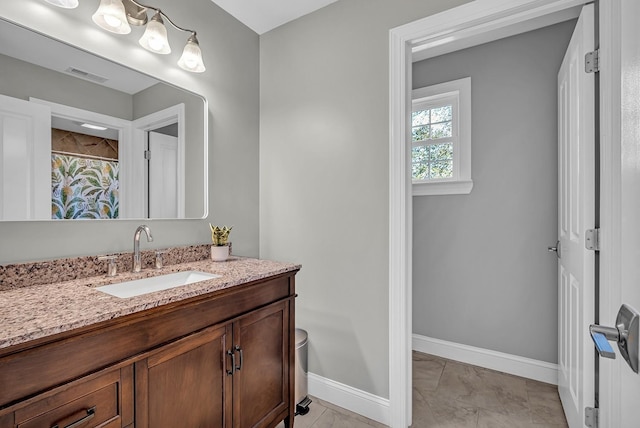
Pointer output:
x,y
36,311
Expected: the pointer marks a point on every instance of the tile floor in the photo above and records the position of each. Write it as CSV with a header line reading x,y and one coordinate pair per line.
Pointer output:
x,y
448,394
451,394
326,415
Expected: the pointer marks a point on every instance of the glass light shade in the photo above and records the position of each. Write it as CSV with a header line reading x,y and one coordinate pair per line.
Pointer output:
x,y
67,4
191,59
154,38
111,17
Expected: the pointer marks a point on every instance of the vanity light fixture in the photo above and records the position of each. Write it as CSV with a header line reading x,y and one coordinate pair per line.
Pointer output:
x,y
117,16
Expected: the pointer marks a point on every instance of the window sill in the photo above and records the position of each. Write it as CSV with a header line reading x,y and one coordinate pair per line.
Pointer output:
x,y
461,187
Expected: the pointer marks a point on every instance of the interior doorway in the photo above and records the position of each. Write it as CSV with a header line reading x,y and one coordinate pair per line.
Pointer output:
x,y
465,26
159,161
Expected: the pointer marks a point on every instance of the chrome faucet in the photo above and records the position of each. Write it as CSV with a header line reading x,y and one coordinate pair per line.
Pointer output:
x,y
137,259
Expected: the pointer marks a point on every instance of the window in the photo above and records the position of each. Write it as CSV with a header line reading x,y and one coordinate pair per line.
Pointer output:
x,y
441,139
432,140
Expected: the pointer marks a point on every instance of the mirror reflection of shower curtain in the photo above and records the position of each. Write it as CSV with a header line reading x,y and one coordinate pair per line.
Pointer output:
x,y
84,187
163,176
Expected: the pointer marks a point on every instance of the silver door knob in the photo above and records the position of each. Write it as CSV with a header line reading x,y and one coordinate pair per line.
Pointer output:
x,y
555,249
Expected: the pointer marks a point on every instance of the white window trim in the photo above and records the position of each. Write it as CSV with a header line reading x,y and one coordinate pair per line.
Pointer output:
x,y
461,182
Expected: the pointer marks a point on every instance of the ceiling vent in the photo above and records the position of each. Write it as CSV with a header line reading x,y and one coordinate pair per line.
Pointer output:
x,y
85,75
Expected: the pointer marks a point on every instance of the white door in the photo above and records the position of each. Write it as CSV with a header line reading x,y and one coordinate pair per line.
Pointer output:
x,y
163,176
576,214
25,160
619,385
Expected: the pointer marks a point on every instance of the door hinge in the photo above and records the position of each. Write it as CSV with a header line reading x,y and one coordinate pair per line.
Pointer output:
x,y
147,154
591,417
592,61
592,239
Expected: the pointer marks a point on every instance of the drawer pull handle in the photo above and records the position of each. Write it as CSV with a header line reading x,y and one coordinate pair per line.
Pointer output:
x,y
90,414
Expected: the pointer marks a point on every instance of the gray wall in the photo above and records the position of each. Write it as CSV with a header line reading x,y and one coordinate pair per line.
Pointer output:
x,y
324,192
482,275
231,86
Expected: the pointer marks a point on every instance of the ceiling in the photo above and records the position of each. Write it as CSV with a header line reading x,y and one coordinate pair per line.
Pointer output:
x,y
264,15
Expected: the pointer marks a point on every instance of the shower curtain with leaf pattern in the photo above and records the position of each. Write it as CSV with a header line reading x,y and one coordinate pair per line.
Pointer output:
x,y
83,188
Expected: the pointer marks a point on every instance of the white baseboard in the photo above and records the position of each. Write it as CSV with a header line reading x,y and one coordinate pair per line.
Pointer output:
x,y
352,399
507,363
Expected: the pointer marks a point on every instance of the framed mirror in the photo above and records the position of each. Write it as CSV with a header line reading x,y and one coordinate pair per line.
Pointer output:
x,y
82,137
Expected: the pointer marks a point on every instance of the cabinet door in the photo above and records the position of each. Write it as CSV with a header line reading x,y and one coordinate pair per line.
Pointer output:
x,y
261,378
185,384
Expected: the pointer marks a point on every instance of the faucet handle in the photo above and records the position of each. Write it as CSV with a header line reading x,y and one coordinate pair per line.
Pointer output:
x,y
112,267
159,263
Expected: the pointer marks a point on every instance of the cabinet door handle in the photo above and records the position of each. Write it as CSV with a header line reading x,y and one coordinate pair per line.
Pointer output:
x,y
239,349
233,361
91,412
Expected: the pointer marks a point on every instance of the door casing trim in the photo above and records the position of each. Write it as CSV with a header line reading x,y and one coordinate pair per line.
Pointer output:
x,y
610,21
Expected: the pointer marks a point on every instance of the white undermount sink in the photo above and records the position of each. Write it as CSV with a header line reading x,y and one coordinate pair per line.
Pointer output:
x,y
138,287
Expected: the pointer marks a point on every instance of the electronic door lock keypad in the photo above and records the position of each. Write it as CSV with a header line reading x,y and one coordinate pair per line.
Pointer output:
x,y
625,333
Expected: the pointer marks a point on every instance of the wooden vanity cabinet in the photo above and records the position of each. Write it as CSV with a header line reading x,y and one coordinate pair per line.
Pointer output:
x,y
220,360
233,375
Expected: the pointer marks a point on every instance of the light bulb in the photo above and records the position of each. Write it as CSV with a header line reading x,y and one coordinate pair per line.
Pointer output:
x,y
156,43
191,62
112,21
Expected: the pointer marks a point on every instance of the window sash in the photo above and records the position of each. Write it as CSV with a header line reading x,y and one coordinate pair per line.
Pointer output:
x,y
434,102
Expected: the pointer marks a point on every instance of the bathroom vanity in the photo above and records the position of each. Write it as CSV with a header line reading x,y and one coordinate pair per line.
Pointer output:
x,y
218,353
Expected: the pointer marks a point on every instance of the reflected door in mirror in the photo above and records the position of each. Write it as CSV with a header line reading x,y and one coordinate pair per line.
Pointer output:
x,y
25,184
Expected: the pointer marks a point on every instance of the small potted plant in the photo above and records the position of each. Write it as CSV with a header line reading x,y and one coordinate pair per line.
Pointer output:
x,y
220,239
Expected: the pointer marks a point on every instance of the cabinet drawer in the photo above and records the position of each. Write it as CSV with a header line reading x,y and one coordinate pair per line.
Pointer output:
x,y
92,403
